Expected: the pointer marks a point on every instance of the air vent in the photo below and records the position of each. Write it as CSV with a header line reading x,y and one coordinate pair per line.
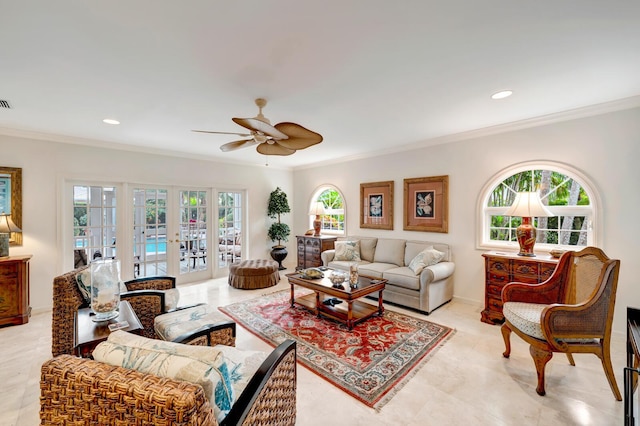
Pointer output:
x,y
4,104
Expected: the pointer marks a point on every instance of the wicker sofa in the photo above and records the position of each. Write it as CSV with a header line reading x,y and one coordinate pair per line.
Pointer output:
x,y
81,391
147,298
389,258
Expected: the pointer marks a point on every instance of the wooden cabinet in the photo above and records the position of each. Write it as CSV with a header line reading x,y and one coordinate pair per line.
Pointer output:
x,y
14,290
503,268
309,249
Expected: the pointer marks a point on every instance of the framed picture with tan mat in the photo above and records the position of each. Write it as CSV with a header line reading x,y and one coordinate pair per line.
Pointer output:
x,y
426,204
376,205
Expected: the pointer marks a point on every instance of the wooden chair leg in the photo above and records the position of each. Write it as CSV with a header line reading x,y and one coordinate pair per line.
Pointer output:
x,y
608,371
506,333
540,359
570,358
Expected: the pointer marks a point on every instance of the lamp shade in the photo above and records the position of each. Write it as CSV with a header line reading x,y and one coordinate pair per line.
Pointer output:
x,y
7,225
528,204
316,209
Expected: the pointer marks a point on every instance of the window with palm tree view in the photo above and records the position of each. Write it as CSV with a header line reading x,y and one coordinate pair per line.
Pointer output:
x,y
569,198
334,218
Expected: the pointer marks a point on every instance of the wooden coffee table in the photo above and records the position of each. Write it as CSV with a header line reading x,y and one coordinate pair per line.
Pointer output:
x,y
87,333
351,311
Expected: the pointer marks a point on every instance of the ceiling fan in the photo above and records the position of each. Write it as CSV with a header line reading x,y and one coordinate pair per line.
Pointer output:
x,y
282,139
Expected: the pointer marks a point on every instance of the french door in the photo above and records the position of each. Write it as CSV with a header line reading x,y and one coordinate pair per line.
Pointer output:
x,y
154,230
171,233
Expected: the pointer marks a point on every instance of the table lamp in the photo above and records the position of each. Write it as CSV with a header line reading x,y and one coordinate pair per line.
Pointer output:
x,y
317,209
6,228
527,205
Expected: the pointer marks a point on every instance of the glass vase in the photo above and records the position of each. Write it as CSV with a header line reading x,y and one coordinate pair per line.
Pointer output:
x,y
105,289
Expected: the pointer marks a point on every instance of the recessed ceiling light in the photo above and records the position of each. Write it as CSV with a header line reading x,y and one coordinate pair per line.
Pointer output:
x,y
110,121
502,95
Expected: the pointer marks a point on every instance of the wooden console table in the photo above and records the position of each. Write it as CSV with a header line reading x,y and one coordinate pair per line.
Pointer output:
x,y
310,247
502,268
14,290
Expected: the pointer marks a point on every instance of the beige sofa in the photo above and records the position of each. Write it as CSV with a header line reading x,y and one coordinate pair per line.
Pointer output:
x,y
389,258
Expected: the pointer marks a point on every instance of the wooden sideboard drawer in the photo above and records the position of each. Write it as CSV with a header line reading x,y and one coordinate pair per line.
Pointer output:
x,y
310,249
503,268
14,290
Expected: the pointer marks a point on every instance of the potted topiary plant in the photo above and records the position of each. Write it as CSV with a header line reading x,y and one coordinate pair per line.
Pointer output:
x,y
278,231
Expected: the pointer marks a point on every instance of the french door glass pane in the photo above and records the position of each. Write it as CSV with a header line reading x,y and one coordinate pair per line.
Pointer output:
x,y
149,232
193,231
229,226
94,223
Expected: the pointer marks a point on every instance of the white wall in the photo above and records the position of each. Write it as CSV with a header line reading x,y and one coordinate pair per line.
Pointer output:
x,y
606,148
45,164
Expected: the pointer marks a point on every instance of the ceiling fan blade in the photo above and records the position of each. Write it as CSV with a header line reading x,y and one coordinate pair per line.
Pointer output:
x,y
260,126
232,146
273,149
299,137
223,133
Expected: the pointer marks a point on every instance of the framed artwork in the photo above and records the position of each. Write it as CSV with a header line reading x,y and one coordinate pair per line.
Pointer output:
x,y
376,205
426,204
11,199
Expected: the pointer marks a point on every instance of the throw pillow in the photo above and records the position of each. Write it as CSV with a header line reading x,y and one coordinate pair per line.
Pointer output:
x,y
426,257
347,251
202,365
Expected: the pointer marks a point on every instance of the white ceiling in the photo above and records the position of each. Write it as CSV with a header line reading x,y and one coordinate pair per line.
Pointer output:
x,y
368,75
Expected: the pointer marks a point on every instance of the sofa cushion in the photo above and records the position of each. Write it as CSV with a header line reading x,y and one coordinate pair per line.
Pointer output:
x,y
426,257
390,250
368,248
375,270
402,277
202,365
348,250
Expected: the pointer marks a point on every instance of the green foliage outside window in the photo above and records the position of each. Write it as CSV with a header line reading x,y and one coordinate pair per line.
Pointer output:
x,y
556,189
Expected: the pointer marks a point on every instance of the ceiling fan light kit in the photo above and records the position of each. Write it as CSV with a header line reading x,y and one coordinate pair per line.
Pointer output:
x,y
282,139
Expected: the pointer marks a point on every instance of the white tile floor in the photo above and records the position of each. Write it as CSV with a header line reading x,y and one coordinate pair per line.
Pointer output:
x,y
466,382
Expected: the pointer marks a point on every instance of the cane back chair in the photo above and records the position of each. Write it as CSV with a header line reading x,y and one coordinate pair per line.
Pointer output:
x,y
571,312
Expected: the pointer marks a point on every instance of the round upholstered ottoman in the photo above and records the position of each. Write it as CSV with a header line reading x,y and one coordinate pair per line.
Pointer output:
x,y
250,274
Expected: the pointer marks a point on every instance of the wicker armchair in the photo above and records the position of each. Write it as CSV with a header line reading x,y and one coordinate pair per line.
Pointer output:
x,y
571,312
146,301
97,393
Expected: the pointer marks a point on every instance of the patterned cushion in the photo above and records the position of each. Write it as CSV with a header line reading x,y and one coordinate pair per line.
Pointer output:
x,y
83,279
525,317
242,365
174,324
348,250
426,257
202,365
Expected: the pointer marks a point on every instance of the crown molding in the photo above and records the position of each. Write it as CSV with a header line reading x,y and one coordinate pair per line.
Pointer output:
x,y
568,115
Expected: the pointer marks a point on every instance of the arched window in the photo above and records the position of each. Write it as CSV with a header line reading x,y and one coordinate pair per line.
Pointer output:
x,y
333,220
565,191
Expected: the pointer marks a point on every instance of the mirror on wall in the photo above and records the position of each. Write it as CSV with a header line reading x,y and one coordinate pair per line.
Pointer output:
x,y
11,199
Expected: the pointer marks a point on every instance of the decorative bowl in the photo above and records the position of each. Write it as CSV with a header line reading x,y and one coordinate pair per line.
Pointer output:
x,y
557,253
337,277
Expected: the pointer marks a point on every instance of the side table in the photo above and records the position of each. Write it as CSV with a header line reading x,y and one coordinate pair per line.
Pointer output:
x,y
88,333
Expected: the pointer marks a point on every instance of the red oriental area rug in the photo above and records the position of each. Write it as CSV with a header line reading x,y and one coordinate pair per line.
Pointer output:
x,y
376,357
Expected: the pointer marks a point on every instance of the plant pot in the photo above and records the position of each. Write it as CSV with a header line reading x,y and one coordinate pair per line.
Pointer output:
x,y
279,253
